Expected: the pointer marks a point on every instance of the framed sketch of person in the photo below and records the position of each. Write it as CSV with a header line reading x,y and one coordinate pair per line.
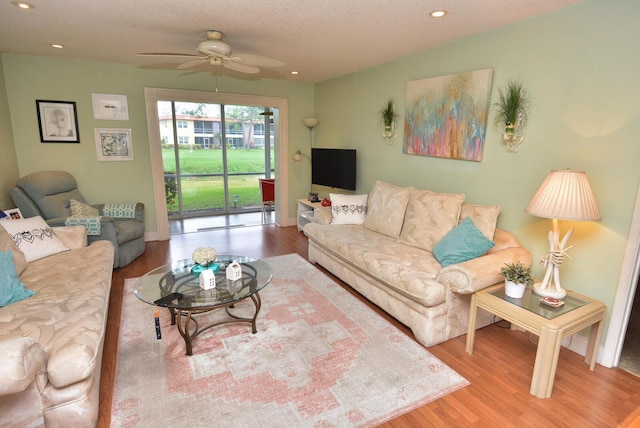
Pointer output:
x,y
58,121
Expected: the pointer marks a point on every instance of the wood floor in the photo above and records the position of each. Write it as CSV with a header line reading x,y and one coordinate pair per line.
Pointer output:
x,y
499,370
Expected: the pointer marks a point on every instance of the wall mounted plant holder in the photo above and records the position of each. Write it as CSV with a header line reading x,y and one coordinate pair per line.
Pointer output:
x,y
389,120
512,114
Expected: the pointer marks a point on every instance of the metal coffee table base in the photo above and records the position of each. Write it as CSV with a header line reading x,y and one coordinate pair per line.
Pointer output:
x,y
184,319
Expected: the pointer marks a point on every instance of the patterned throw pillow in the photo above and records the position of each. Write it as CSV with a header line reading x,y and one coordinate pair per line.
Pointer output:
x,y
34,238
464,242
126,210
385,212
78,209
348,209
11,289
484,217
430,216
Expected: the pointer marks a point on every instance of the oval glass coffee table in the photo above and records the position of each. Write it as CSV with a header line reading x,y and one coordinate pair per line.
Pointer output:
x,y
174,286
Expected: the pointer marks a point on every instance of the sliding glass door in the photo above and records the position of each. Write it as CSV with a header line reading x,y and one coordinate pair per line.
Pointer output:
x,y
213,156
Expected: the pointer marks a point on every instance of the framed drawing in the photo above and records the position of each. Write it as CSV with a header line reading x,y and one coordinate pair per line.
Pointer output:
x,y
58,121
13,214
113,144
109,106
446,116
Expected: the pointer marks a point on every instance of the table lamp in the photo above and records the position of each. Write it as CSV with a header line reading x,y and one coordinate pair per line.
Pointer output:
x,y
564,195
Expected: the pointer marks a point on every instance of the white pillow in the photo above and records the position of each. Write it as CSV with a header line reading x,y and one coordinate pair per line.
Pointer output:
x,y
34,238
348,209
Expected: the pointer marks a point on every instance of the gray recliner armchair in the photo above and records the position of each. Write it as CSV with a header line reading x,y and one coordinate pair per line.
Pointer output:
x,y
48,194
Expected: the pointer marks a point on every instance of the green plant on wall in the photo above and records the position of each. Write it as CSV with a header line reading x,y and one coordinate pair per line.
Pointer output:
x,y
389,116
512,113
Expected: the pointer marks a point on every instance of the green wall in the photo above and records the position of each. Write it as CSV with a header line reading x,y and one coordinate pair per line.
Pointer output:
x,y
8,164
580,65
30,78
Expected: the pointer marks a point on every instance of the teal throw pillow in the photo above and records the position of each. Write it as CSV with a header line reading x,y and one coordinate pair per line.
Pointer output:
x,y
464,242
11,289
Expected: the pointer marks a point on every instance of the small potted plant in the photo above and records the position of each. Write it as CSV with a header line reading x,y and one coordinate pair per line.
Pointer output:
x,y
516,277
388,115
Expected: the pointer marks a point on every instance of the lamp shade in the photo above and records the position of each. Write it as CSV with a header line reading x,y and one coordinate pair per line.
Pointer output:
x,y
310,122
565,195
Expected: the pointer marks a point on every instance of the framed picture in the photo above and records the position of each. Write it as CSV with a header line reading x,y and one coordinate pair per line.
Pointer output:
x,y
109,106
113,144
454,123
13,214
58,121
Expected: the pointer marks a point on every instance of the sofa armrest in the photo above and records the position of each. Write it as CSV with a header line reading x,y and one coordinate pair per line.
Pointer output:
x,y
476,274
56,222
24,361
72,237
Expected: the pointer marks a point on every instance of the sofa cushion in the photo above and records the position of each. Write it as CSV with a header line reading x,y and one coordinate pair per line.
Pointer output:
x,y
386,206
11,289
484,217
67,315
51,191
407,270
464,242
34,237
429,217
8,244
348,209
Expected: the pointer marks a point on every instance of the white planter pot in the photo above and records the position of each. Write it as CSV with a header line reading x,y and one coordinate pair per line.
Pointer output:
x,y
511,289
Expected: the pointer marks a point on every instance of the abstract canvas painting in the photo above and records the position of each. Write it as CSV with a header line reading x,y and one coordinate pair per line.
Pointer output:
x,y
446,116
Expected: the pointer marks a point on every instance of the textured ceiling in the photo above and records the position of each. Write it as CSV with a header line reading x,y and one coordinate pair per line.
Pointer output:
x,y
321,39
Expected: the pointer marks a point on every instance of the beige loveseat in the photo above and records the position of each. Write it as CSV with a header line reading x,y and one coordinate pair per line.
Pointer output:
x,y
389,258
51,343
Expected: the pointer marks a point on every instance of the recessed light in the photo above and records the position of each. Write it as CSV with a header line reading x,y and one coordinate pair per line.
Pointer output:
x,y
295,73
57,46
23,5
438,13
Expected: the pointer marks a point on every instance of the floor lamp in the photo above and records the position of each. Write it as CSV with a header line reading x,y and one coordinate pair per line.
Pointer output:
x,y
564,195
310,123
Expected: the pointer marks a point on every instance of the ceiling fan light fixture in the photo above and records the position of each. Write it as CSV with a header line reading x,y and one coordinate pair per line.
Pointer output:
x,y
216,46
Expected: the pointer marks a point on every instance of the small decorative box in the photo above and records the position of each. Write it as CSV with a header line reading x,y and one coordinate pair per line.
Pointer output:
x,y
207,279
234,271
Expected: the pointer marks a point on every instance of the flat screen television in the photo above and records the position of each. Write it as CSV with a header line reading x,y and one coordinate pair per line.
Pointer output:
x,y
334,168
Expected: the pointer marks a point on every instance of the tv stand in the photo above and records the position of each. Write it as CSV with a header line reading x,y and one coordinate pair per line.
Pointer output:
x,y
306,211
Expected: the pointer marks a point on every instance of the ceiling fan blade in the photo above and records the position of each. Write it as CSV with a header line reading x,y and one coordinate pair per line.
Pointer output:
x,y
178,55
242,68
193,63
259,60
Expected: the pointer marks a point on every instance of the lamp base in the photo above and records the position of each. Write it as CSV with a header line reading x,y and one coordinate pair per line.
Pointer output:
x,y
548,292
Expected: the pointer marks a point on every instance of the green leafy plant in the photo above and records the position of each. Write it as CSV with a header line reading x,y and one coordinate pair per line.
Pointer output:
x,y
517,273
388,113
512,105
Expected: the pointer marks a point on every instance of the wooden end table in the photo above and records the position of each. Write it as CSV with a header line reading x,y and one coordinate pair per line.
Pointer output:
x,y
551,325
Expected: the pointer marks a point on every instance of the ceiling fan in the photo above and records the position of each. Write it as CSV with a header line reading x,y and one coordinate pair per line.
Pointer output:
x,y
216,52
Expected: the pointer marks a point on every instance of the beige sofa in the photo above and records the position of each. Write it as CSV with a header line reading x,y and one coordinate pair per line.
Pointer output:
x,y
389,258
51,343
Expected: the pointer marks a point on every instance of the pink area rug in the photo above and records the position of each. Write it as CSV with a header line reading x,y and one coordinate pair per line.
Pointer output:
x,y
320,358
